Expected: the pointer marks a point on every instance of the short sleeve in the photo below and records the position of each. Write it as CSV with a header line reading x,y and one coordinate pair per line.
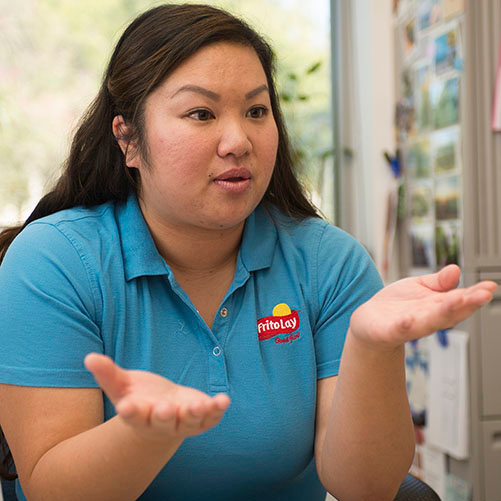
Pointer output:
x,y
346,278
49,311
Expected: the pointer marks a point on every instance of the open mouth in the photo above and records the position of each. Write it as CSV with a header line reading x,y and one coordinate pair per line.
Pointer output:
x,y
234,175
234,180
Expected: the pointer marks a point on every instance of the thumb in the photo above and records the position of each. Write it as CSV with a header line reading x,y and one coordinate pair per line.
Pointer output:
x,y
113,380
444,280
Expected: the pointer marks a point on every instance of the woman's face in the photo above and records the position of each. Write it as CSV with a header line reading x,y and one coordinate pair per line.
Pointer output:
x,y
212,141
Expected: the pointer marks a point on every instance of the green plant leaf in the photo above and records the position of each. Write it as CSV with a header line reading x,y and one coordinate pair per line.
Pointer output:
x,y
314,67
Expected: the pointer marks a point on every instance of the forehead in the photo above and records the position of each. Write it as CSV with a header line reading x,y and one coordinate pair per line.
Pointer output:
x,y
220,62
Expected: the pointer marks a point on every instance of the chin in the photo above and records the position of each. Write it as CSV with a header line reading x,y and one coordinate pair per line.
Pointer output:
x,y
230,218
223,223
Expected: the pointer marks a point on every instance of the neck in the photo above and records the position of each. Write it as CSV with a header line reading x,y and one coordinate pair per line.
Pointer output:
x,y
196,251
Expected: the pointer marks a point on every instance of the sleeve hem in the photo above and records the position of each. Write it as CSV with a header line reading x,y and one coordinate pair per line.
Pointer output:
x,y
47,378
328,369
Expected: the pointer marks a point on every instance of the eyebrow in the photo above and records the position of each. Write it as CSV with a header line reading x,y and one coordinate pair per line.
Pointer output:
x,y
216,97
256,91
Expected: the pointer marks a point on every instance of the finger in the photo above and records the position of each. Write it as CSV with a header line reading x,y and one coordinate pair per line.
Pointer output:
x,y
190,417
110,377
444,280
469,299
219,403
222,401
201,415
478,295
164,417
454,307
135,412
487,285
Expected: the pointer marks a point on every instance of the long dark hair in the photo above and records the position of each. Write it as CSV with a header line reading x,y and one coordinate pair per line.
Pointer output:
x,y
150,49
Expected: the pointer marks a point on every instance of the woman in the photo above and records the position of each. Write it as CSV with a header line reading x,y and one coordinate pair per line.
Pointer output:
x,y
179,256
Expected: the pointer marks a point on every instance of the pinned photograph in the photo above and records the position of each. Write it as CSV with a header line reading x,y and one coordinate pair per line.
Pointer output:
x,y
447,197
409,36
445,150
448,53
421,200
447,242
424,117
422,246
445,102
417,160
429,13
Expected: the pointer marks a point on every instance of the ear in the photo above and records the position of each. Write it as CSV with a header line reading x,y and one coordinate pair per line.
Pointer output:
x,y
122,133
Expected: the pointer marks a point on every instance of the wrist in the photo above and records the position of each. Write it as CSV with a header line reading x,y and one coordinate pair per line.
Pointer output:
x,y
144,438
367,347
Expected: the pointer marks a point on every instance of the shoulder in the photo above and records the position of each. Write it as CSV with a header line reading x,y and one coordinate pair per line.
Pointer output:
x,y
332,258
62,244
81,229
79,223
317,238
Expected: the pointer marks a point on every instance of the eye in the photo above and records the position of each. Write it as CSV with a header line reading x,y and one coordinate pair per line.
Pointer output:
x,y
201,115
257,112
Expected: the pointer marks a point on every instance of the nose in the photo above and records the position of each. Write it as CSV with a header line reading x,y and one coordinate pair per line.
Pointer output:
x,y
234,140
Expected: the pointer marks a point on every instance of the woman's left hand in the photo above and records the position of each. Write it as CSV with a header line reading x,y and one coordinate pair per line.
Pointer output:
x,y
415,307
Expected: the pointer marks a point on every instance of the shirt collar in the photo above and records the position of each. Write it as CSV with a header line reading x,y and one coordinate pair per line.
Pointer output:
x,y
259,239
141,256
140,253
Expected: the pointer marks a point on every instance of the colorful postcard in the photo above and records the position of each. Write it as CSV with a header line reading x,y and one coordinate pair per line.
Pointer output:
x,y
409,36
421,200
424,118
445,150
422,246
447,190
445,102
418,160
408,85
405,115
448,53
429,13
447,243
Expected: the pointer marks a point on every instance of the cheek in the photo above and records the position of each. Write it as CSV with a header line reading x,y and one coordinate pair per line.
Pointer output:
x,y
182,149
270,147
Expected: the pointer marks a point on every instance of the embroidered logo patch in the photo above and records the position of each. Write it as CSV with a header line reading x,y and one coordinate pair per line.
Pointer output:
x,y
283,321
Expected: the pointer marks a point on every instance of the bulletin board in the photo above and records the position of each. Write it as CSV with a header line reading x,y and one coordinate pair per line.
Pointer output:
x,y
429,37
428,122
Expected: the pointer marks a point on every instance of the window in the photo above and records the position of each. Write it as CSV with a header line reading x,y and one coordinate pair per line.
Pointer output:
x,y
53,53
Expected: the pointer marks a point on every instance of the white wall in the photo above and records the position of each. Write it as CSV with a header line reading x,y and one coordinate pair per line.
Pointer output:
x,y
368,119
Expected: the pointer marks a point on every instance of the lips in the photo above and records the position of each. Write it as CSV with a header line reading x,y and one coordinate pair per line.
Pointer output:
x,y
234,175
234,182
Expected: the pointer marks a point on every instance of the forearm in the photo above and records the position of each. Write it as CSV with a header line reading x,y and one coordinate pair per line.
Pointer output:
x,y
109,462
369,443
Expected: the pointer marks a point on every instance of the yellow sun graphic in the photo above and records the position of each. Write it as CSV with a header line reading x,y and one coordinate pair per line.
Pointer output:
x,y
281,310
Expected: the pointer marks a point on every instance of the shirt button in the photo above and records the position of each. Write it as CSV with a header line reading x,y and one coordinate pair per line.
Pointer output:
x,y
216,351
224,312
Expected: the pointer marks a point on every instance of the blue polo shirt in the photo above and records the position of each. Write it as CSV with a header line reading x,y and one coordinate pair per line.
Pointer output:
x,y
91,280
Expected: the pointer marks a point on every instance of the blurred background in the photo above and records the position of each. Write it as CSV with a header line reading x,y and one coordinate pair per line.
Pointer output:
x,y
53,54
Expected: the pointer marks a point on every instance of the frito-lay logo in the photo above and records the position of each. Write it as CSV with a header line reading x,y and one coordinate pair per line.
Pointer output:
x,y
283,321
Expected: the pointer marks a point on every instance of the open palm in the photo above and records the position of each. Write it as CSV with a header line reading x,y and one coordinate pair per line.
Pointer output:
x,y
415,307
153,405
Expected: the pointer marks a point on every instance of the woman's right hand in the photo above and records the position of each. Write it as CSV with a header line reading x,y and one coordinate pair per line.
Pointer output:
x,y
155,407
